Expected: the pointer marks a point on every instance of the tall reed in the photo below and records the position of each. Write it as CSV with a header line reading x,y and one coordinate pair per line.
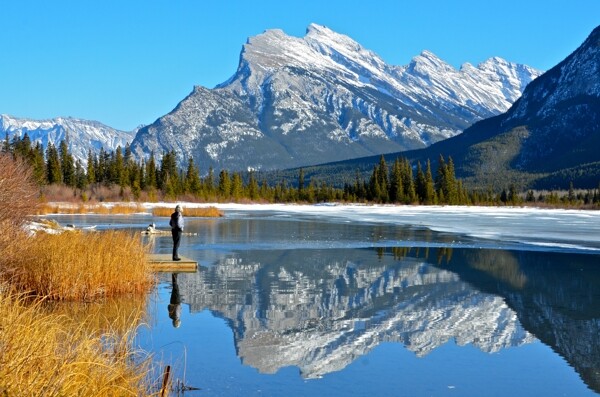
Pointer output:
x,y
83,266
207,212
42,354
117,209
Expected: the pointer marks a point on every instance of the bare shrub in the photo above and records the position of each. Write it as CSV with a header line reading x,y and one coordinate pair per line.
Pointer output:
x,y
18,200
18,194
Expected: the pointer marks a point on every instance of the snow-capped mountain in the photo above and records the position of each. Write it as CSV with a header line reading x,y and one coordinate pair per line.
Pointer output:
x,y
549,137
323,97
82,135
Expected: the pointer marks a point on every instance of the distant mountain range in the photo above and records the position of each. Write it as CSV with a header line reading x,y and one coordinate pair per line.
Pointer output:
x,y
82,135
301,101
547,139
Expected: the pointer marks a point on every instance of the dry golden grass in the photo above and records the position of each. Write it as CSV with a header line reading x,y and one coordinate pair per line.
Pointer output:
x,y
118,209
206,212
82,266
115,315
45,354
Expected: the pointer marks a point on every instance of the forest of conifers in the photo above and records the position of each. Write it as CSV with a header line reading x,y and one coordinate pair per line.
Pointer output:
x,y
397,183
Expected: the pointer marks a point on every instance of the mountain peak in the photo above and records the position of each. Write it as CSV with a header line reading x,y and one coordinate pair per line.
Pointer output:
x,y
326,95
427,61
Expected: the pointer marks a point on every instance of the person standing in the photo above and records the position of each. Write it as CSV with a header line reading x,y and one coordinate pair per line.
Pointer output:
x,y
176,224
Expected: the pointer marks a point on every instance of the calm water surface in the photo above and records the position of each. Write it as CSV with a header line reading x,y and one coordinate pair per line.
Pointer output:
x,y
290,305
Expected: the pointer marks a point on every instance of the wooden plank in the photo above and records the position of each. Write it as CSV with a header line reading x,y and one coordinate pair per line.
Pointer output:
x,y
165,263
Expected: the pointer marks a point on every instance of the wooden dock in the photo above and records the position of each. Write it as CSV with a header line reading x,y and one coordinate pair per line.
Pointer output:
x,y
165,263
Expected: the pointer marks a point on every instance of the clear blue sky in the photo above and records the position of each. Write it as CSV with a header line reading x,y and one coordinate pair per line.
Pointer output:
x,y
128,62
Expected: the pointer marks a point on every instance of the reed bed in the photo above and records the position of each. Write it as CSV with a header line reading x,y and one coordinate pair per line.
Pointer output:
x,y
118,209
206,212
115,315
41,354
80,266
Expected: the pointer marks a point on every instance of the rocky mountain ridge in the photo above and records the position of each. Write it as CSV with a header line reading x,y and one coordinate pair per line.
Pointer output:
x,y
82,135
300,101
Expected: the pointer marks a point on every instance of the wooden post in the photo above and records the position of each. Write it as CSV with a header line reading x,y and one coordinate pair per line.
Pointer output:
x,y
164,390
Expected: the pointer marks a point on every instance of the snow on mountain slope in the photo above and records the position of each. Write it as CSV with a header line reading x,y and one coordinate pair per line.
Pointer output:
x,y
301,101
82,135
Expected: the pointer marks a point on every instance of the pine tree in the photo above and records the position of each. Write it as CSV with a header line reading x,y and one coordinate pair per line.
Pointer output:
x,y
209,182
168,170
6,144
224,184
429,197
53,168
396,189
39,164
67,164
252,187
410,195
91,172
151,177
80,176
382,179
237,186
192,178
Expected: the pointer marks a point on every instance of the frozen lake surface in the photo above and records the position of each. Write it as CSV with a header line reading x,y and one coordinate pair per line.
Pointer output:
x,y
379,301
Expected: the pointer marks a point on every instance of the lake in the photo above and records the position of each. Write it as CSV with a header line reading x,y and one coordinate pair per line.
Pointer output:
x,y
379,301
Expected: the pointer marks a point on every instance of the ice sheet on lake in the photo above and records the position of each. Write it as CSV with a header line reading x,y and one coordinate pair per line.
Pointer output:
x,y
533,227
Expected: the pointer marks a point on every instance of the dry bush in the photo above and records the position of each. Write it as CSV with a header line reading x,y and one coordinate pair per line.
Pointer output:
x,y
83,266
41,354
18,200
18,194
59,192
206,212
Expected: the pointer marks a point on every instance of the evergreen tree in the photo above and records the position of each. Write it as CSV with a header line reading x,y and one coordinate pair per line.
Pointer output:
x,y
237,186
253,189
396,188
301,184
118,168
571,195
192,178
410,196
151,174
429,197
38,164
224,184
53,168
6,144
168,170
80,176
374,191
91,172
209,182
382,179
67,164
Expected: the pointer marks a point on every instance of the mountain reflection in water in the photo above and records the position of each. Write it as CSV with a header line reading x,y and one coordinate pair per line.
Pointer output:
x,y
321,309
